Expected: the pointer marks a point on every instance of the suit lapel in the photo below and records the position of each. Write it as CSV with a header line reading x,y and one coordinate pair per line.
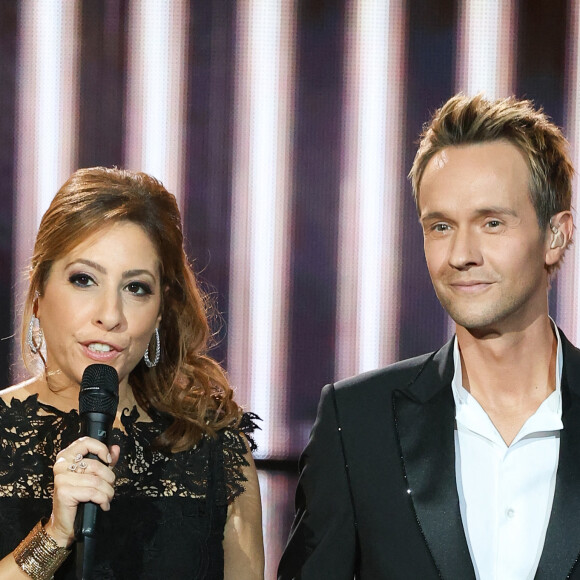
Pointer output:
x,y
562,544
425,415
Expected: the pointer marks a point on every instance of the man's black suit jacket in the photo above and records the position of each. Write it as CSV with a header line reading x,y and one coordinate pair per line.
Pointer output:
x,y
377,495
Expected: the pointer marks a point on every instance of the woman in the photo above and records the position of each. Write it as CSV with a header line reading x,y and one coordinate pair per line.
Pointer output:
x,y
110,283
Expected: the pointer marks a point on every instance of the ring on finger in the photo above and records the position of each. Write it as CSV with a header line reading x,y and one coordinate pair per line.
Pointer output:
x,y
79,464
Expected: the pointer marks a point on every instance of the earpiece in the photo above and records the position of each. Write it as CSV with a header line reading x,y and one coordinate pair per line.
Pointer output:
x,y
558,238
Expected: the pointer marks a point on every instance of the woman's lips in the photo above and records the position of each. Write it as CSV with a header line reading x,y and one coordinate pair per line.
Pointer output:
x,y
100,351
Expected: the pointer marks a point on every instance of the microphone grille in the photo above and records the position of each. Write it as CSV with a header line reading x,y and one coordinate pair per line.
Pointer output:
x,y
99,390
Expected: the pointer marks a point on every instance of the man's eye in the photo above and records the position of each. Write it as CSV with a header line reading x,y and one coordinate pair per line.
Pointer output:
x,y
440,227
493,224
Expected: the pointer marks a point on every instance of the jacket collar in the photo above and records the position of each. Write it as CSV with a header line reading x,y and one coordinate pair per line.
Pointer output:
x,y
435,374
425,415
562,544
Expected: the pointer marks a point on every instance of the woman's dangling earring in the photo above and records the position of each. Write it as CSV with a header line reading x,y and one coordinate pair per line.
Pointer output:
x,y
33,345
151,363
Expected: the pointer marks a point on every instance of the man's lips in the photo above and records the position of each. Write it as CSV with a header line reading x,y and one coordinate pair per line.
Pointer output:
x,y
471,286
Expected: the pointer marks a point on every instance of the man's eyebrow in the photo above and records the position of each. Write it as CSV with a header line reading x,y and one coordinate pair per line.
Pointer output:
x,y
496,210
491,210
433,215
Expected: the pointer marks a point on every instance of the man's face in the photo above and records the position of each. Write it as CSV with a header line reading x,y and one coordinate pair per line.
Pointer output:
x,y
484,249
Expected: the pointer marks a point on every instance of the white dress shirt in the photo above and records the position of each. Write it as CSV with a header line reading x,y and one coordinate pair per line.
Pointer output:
x,y
506,493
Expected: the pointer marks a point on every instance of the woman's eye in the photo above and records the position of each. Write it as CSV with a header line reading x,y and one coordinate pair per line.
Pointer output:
x,y
139,288
81,280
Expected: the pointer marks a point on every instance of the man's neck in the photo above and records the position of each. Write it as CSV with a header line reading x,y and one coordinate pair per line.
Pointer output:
x,y
510,374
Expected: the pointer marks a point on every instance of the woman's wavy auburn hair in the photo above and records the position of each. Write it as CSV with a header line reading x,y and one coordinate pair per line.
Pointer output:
x,y
187,384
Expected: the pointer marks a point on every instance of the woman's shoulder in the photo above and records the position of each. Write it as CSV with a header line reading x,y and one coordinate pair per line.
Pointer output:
x,y
238,444
20,391
245,430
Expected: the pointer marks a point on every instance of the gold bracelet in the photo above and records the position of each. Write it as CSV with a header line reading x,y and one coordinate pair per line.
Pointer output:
x,y
39,555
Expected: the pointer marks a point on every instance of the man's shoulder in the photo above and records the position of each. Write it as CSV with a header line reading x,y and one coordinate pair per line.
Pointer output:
x,y
395,376
571,351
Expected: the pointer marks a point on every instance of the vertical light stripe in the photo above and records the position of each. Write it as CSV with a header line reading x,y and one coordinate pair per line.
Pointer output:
x,y
369,243
276,493
486,47
47,117
157,89
260,214
568,315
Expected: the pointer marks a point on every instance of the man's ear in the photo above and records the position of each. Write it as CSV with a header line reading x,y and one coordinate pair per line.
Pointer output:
x,y
559,237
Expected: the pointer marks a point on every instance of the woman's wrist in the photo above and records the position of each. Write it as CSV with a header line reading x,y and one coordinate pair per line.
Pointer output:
x,y
39,555
62,540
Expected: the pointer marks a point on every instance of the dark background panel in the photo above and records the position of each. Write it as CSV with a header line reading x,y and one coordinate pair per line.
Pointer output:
x,y
317,169
209,152
9,19
103,71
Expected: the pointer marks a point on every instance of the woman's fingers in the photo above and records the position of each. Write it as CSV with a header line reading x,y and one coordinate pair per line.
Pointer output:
x,y
84,446
79,478
115,452
83,466
70,490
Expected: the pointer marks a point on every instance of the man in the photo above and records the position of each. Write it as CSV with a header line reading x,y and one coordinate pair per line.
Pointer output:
x,y
463,463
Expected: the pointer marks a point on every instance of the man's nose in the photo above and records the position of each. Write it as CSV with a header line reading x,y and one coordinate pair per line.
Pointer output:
x,y
464,250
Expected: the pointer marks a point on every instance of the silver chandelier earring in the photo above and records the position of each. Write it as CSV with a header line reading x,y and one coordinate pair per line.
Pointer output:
x,y
34,328
151,363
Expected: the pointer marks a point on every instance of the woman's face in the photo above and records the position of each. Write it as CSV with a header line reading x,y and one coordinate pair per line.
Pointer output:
x,y
101,303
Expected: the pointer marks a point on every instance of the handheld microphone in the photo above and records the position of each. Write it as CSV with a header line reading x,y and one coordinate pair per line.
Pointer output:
x,y
98,400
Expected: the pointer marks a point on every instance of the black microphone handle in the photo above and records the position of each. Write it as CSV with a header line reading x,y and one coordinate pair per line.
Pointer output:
x,y
98,400
97,426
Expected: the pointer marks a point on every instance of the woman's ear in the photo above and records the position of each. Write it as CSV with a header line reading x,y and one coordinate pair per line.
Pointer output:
x,y
36,305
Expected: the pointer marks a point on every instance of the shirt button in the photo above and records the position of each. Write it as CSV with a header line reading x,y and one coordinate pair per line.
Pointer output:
x,y
510,512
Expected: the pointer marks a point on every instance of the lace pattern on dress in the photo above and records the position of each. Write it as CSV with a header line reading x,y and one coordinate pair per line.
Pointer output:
x,y
33,434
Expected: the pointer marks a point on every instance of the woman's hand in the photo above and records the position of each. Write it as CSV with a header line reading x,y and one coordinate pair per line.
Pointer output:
x,y
78,479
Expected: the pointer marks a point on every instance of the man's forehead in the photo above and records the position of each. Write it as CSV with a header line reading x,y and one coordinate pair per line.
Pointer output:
x,y
440,159
476,176
500,154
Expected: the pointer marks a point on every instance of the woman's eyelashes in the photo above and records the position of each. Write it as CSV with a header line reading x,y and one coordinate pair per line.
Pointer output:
x,y
139,288
81,280
135,287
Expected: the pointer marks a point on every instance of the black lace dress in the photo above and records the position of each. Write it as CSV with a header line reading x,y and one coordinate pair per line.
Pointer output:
x,y
168,514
